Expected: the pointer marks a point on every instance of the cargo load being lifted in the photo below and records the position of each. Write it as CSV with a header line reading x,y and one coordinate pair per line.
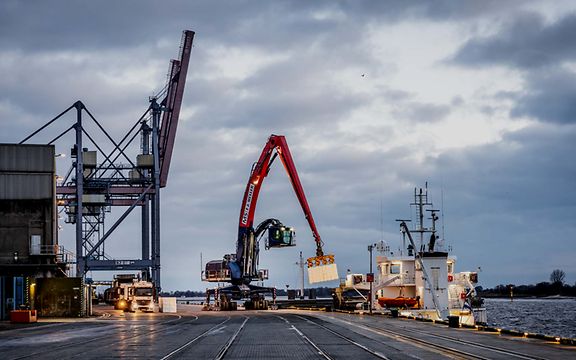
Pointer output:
x,y
241,268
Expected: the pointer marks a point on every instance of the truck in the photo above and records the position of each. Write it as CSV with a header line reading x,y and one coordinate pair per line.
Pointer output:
x,y
117,295
142,297
130,293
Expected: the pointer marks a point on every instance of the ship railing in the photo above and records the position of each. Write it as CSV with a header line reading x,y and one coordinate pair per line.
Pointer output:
x,y
38,249
396,280
62,255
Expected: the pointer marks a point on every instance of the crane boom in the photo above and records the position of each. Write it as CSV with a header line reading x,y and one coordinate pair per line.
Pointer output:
x,y
244,266
173,102
276,146
241,268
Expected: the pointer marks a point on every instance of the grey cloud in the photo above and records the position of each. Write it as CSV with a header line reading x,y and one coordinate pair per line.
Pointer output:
x,y
550,96
91,25
127,24
510,95
392,11
539,49
48,84
296,92
421,112
522,173
510,198
457,101
131,23
395,94
526,42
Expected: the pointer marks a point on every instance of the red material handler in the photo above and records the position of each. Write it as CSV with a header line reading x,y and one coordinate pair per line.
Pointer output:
x,y
276,146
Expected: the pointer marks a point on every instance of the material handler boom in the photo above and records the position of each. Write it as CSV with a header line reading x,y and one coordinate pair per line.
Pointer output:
x,y
241,268
244,267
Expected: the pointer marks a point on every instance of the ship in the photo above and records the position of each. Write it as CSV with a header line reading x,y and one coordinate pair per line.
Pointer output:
x,y
418,278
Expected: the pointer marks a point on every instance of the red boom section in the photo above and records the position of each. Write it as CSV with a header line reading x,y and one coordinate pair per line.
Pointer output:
x,y
276,146
173,102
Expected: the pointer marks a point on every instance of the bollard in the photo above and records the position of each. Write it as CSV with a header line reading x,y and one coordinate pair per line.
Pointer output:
x,y
454,321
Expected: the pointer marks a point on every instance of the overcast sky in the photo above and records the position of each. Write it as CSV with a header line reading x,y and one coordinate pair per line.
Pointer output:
x,y
375,98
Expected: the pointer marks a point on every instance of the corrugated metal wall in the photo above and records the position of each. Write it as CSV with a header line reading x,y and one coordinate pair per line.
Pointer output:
x,y
26,158
26,186
27,200
26,172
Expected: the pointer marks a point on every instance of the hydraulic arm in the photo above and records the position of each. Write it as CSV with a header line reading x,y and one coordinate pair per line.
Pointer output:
x,y
244,267
241,268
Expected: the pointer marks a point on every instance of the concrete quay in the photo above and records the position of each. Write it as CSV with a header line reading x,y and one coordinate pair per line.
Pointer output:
x,y
281,334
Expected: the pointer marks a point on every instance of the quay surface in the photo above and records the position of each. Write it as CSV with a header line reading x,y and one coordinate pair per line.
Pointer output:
x,y
280,334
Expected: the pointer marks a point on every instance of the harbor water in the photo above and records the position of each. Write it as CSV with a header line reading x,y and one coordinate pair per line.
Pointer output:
x,y
548,316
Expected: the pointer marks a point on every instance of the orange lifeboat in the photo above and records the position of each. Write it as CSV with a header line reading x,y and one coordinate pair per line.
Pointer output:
x,y
400,301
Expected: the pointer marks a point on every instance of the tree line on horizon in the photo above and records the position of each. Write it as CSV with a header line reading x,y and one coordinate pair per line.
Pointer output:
x,y
555,287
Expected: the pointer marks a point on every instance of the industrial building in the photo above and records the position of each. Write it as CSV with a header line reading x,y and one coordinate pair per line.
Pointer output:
x,y
28,223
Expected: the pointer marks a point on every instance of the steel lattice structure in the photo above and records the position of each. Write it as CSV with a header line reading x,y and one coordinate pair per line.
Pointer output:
x,y
91,189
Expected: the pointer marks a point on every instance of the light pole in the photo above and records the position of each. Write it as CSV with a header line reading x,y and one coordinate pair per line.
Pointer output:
x,y
301,264
370,276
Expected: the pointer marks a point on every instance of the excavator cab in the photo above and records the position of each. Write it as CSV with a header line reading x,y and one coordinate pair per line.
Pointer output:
x,y
280,236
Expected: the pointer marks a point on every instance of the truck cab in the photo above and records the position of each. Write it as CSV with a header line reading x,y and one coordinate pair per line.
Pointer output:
x,y
142,297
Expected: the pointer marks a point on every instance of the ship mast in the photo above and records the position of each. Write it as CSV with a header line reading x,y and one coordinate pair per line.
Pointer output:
x,y
421,202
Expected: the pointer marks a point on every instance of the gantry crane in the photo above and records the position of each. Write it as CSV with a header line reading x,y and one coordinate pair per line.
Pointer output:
x,y
90,188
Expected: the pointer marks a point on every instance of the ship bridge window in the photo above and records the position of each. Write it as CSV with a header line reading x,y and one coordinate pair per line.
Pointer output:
x,y
395,269
436,277
450,268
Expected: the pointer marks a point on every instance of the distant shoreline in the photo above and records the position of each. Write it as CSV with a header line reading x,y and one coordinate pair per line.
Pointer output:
x,y
549,297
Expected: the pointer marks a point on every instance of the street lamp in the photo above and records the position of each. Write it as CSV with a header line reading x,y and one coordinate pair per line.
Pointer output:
x,y
301,264
370,276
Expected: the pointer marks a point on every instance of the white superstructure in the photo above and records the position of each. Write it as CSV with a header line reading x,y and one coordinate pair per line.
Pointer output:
x,y
419,278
